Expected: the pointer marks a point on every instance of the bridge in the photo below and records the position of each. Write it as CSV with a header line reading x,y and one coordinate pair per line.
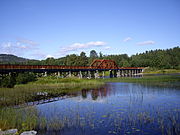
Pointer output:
x,y
96,68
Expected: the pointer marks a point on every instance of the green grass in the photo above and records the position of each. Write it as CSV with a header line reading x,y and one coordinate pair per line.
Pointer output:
x,y
162,71
22,119
163,78
172,81
55,87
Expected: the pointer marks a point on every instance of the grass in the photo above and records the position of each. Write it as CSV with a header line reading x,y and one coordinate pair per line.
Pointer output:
x,y
53,86
22,119
161,71
163,78
158,81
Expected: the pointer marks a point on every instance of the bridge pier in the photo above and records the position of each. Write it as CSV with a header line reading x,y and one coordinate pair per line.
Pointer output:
x,y
118,73
110,74
96,74
103,75
58,74
70,75
45,74
89,74
80,74
115,73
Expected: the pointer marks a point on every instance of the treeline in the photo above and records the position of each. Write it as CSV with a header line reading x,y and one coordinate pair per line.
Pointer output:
x,y
159,59
8,81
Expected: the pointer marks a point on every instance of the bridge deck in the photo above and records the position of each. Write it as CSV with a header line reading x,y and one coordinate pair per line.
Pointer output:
x,y
56,68
4,67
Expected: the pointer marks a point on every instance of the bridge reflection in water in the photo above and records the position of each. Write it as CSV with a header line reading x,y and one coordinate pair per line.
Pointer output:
x,y
97,69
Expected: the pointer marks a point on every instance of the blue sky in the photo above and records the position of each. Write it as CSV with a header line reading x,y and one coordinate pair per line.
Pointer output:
x,y
42,28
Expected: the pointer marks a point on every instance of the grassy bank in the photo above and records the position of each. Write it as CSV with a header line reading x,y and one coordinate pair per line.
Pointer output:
x,y
161,71
52,86
161,78
172,81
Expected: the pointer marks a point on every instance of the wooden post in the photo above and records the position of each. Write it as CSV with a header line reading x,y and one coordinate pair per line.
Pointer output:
x,y
110,74
103,75
89,74
80,74
45,74
70,74
96,74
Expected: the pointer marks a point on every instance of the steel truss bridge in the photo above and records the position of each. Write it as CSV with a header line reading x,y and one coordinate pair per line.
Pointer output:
x,y
89,71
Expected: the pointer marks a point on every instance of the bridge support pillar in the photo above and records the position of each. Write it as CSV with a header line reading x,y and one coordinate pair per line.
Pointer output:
x,y
70,75
45,74
80,74
123,73
89,74
132,72
115,73
103,75
118,74
127,73
110,74
58,74
96,74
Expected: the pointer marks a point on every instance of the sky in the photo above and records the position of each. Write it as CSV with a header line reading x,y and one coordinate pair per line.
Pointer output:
x,y
38,29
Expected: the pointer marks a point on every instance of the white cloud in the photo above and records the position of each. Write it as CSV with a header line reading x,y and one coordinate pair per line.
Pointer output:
x,y
107,47
79,46
146,43
49,56
38,55
26,41
18,47
127,39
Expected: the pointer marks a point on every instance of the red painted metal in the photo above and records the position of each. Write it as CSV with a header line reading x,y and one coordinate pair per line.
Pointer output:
x,y
96,64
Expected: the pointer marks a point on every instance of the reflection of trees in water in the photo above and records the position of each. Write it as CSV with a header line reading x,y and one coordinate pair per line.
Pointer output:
x,y
98,92
84,93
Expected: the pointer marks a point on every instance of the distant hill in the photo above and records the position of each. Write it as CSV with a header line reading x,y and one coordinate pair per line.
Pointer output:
x,y
9,58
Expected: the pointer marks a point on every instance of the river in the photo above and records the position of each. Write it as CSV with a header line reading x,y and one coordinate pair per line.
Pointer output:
x,y
115,108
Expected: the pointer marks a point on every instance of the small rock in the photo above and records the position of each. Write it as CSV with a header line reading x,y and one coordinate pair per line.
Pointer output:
x,y
29,133
9,132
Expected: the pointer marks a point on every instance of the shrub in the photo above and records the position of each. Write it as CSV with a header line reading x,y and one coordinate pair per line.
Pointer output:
x,y
24,78
8,81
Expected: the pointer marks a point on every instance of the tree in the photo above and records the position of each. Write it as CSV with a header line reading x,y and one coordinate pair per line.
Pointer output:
x,y
83,60
8,81
100,55
93,54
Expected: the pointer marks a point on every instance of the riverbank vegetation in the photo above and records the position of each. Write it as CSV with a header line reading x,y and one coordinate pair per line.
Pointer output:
x,y
51,86
160,71
148,79
44,88
8,81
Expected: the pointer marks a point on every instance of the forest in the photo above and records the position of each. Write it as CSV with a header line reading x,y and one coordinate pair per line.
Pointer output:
x,y
158,59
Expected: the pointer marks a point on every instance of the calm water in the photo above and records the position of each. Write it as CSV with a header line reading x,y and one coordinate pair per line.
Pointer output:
x,y
116,108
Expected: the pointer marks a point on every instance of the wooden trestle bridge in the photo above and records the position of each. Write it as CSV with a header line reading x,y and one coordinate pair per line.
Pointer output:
x,y
97,66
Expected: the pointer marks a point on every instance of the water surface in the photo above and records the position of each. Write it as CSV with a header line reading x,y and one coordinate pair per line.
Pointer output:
x,y
115,108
